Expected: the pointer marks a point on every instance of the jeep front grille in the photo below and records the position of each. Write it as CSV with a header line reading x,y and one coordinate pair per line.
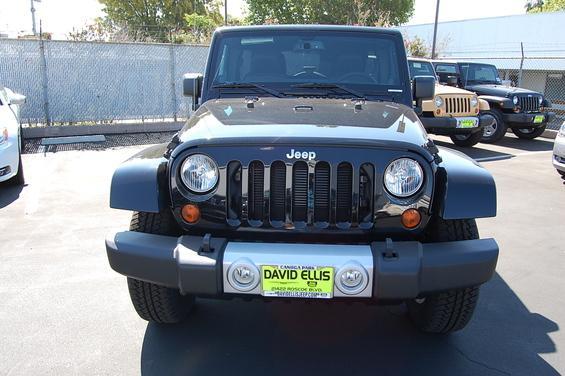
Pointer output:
x,y
458,105
529,104
300,194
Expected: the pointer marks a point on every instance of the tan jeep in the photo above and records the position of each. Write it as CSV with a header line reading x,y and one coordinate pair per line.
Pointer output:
x,y
454,112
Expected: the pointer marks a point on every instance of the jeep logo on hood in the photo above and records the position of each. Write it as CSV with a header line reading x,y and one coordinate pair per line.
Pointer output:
x,y
296,154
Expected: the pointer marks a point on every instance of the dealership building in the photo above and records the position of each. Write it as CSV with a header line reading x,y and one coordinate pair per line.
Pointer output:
x,y
531,41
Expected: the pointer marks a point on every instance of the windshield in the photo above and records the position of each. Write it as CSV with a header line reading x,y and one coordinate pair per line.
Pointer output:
x,y
446,68
420,68
365,62
479,73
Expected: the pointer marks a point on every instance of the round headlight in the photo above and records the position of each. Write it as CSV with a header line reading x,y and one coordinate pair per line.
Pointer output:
x,y
403,177
474,101
199,173
540,100
515,100
438,101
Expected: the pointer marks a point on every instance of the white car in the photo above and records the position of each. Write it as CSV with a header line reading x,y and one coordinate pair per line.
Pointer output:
x,y
559,151
11,168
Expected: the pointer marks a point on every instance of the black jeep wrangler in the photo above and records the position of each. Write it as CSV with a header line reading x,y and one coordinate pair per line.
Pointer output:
x,y
305,173
523,111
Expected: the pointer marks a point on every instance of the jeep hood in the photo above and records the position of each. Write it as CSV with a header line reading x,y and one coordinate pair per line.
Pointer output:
x,y
450,90
303,120
499,90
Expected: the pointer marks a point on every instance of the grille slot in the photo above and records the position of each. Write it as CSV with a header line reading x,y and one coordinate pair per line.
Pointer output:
x,y
256,181
278,191
344,188
366,191
322,192
529,104
299,192
234,191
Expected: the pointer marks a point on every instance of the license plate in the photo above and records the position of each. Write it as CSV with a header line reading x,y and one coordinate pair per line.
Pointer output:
x,y
467,123
297,281
538,119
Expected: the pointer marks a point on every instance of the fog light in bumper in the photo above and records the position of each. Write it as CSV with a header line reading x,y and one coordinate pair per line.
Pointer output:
x,y
351,278
243,275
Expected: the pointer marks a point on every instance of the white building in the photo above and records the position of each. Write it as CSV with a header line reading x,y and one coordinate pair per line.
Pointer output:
x,y
499,40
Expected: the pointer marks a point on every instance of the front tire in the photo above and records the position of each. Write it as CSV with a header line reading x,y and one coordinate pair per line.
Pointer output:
x,y
494,132
152,302
467,140
448,311
528,133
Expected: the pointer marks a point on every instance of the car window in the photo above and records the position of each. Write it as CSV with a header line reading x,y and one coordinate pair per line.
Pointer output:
x,y
296,57
483,73
446,68
420,68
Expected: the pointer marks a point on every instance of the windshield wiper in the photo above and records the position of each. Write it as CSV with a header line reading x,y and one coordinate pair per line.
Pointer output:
x,y
314,85
248,85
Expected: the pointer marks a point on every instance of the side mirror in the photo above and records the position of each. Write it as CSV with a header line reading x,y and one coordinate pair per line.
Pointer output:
x,y
424,87
15,98
192,87
452,81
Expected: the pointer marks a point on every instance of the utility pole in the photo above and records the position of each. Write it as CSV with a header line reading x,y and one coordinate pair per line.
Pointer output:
x,y
33,18
225,12
435,32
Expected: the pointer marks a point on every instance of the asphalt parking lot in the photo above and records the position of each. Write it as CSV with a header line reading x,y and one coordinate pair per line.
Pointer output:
x,y
64,311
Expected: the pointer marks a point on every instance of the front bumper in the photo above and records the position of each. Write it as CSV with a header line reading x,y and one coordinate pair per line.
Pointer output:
x,y
398,270
9,159
559,153
448,125
523,120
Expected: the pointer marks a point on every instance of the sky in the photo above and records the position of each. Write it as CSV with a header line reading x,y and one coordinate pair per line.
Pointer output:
x,y
61,16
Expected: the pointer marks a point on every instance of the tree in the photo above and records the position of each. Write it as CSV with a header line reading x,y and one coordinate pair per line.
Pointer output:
x,y
102,30
416,47
156,19
350,12
537,6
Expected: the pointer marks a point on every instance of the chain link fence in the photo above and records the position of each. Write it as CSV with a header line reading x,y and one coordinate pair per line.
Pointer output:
x,y
543,74
70,83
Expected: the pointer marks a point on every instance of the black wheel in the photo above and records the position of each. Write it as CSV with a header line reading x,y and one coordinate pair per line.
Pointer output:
x,y
153,302
528,133
452,310
562,173
494,132
467,140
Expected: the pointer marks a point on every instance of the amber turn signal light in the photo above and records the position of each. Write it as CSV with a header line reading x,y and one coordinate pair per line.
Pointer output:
x,y
411,218
190,213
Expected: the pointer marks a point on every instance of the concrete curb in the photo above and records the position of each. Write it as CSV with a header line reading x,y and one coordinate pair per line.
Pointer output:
x,y
87,130
549,133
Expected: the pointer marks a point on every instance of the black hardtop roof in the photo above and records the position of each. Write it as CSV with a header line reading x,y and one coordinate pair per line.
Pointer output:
x,y
315,27
462,62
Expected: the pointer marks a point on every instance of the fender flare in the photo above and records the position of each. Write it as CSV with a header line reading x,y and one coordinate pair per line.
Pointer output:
x,y
465,189
139,183
498,102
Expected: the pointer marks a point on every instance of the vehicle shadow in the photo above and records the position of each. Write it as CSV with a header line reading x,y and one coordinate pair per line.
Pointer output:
x,y
497,151
476,152
9,193
538,144
257,338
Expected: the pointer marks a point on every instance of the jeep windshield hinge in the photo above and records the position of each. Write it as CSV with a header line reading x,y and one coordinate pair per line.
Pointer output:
x,y
206,244
389,250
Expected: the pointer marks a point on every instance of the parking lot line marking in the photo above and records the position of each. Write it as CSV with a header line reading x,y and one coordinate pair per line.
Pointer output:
x,y
497,158
534,152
